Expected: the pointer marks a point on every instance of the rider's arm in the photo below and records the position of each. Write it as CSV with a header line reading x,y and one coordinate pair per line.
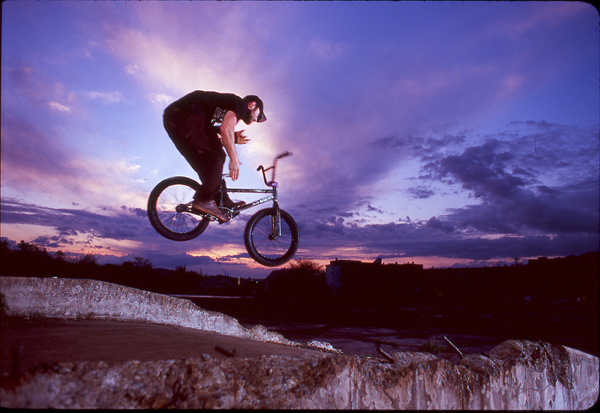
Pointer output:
x,y
228,138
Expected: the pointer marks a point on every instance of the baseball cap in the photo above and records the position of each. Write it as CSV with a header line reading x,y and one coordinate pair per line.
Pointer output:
x,y
259,102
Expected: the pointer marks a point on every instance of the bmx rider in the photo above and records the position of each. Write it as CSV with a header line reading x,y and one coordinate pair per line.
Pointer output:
x,y
194,124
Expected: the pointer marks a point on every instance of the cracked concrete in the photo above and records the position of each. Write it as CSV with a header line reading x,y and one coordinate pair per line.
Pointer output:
x,y
514,375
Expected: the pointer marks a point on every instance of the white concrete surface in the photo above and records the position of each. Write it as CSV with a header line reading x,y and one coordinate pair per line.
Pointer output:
x,y
81,298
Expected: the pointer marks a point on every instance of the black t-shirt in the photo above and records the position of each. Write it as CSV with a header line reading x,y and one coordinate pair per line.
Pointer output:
x,y
214,106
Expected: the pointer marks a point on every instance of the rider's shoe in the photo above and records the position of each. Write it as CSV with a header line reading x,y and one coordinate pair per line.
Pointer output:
x,y
233,205
209,207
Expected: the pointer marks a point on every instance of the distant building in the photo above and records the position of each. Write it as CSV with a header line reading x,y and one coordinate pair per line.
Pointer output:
x,y
358,276
333,272
542,281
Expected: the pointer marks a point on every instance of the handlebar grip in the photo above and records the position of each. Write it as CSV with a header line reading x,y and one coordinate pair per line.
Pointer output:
x,y
283,155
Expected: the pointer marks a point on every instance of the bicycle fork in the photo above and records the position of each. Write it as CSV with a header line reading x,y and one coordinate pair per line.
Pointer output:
x,y
276,223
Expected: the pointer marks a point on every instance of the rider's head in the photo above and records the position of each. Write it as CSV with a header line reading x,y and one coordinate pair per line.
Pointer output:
x,y
255,105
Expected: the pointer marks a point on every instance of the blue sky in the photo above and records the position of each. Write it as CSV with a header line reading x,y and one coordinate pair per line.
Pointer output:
x,y
444,133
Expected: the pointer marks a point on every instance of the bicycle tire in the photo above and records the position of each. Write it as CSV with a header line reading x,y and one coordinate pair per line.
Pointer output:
x,y
167,219
260,244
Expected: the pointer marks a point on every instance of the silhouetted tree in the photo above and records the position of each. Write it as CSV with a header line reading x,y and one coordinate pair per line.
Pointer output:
x,y
143,263
303,281
4,247
59,256
307,268
88,258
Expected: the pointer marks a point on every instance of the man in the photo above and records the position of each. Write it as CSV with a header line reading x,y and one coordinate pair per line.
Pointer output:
x,y
194,123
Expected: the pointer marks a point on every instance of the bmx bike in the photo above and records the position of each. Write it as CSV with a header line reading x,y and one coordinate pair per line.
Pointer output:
x,y
271,235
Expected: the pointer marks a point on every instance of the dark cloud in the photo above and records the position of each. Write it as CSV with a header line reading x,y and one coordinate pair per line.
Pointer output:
x,y
161,260
91,230
435,238
521,207
437,224
523,204
120,225
510,203
421,192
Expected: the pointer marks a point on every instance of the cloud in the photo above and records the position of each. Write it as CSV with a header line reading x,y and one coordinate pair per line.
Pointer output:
x,y
548,16
106,97
161,99
158,58
132,69
124,224
512,200
38,161
421,192
118,234
26,148
59,107
522,205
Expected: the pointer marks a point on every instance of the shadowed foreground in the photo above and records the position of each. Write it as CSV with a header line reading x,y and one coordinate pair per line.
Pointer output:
x,y
140,365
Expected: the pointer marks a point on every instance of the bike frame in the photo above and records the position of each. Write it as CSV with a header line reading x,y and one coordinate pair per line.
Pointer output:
x,y
276,229
272,197
276,223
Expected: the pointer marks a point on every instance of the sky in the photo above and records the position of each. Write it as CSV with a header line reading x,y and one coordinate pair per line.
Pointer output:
x,y
440,133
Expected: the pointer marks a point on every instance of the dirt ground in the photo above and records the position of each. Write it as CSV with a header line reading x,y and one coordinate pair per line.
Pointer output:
x,y
28,343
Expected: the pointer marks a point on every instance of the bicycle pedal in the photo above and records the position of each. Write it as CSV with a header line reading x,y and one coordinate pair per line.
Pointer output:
x,y
227,213
230,215
213,218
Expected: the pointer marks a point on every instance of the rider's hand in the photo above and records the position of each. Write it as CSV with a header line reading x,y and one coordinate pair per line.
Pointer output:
x,y
234,168
241,138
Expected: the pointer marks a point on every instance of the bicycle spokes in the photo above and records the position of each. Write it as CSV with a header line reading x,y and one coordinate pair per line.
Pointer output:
x,y
169,209
268,237
271,237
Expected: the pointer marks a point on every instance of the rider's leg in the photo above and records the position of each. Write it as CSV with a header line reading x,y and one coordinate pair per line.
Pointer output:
x,y
207,160
203,152
227,202
209,167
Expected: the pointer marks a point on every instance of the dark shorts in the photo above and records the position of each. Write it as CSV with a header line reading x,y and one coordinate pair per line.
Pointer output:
x,y
200,146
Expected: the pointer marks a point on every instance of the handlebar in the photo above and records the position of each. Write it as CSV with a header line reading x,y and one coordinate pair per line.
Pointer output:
x,y
272,182
283,155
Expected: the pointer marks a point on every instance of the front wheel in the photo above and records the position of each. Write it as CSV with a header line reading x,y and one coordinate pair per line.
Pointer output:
x,y
266,243
169,209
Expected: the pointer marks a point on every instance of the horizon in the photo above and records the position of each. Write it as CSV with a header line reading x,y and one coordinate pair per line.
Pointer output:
x,y
445,133
13,245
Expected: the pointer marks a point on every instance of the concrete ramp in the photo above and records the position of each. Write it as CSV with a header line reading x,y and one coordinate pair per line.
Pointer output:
x,y
92,299
515,375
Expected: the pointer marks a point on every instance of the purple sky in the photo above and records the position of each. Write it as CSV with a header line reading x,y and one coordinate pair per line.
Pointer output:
x,y
444,133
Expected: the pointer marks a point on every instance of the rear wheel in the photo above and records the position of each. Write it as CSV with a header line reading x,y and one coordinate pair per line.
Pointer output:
x,y
169,209
264,244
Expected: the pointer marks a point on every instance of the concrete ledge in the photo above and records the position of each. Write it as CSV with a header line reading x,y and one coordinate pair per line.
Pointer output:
x,y
521,375
80,298
311,381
